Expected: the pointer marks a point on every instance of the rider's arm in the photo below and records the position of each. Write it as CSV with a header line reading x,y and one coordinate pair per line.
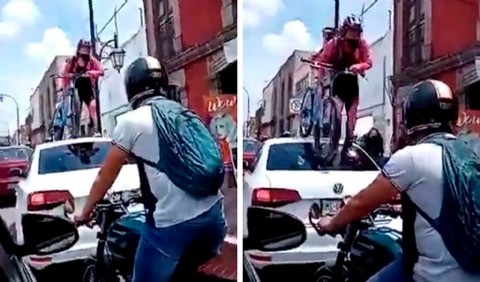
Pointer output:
x,y
325,55
96,71
365,56
398,175
123,142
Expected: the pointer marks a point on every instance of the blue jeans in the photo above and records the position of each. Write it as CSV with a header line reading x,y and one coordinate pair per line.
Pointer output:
x,y
394,272
183,246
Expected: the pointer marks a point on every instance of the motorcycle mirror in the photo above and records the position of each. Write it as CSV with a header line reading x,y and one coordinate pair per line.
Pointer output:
x,y
271,230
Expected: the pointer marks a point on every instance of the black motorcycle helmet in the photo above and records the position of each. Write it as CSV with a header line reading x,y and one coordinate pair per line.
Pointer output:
x,y
147,76
430,106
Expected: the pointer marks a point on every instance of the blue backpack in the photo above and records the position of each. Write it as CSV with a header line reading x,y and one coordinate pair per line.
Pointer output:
x,y
459,220
189,154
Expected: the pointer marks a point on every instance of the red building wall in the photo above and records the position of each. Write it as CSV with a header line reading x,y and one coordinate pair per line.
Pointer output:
x,y
450,27
453,26
453,29
200,21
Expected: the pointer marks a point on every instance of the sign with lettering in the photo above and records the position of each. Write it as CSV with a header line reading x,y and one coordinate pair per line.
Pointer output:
x,y
222,120
469,120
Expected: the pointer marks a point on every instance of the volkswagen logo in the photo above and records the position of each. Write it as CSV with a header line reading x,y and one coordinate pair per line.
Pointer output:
x,y
338,188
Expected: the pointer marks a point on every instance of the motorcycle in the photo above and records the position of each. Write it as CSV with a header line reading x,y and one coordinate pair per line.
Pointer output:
x,y
366,246
120,218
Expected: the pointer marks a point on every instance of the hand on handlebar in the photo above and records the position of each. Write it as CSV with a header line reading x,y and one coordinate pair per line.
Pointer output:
x,y
356,69
82,219
324,225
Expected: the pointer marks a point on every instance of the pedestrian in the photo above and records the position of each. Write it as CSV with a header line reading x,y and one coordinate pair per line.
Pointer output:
x,y
185,222
372,143
440,231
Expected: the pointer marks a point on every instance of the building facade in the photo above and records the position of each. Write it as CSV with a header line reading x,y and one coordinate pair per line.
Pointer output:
x,y
277,95
44,98
375,109
429,45
197,45
113,98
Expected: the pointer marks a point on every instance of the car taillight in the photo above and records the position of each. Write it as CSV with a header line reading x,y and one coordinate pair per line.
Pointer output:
x,y
46,200
274,197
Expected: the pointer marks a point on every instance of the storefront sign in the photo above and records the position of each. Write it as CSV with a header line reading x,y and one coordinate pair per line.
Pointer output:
x,y
222,120
469,120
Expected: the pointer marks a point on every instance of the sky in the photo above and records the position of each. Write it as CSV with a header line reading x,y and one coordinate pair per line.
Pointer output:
x,y
32,32
272,29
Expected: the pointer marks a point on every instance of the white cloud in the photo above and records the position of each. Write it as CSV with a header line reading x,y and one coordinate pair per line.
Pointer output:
x,y
16,14
254,10
54,42
294,35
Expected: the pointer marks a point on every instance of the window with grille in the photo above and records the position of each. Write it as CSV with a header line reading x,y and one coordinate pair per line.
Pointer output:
x,y
301,86
166,34
472,99
414,37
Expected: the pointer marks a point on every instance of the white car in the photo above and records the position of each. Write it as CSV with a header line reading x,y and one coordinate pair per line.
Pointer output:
x,y
284,176
60,170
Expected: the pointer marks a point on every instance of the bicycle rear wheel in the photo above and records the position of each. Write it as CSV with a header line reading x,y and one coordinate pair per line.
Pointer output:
x,y
331,127
307,113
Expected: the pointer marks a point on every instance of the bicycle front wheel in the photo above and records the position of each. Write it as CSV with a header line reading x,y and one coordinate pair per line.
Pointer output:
x,y
307,113
76,109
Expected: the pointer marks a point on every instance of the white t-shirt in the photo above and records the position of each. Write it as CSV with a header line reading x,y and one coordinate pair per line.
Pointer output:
x,y
136,133
417,170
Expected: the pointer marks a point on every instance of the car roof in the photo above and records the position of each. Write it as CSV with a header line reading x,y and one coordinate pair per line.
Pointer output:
x,y
71,141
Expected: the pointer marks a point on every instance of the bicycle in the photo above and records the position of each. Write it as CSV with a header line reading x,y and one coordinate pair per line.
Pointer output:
x,y
71,109
320,115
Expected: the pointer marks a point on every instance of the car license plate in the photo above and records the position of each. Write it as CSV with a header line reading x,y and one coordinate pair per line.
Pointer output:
x,y
330,206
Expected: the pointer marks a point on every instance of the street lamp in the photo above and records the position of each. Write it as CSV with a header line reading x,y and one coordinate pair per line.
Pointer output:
x,y
2,96
116,55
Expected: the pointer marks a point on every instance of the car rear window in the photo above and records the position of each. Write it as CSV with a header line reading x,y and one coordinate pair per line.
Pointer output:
x,y
15,154
300,156
251,146
73,157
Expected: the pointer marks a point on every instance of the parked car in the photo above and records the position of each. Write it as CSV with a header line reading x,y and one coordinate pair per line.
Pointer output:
x,y
286,175
44,235
250,149
13,162
60,171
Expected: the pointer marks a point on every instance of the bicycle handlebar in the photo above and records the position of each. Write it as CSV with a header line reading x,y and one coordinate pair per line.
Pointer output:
x,y
320,65
317,65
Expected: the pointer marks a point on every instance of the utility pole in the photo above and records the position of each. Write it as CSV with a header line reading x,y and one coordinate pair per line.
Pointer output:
x,y
337,14
93,39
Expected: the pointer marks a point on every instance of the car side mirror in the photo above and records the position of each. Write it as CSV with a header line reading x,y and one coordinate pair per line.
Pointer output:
x,y
47,234
271,230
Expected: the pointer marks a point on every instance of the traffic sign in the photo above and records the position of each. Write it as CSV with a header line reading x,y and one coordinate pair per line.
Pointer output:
x,y
295,105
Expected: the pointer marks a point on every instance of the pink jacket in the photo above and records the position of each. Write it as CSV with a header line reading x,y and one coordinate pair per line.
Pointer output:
x,y
327,54
94,69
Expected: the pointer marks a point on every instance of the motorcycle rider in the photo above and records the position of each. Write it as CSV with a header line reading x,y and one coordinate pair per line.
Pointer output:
x,y
180,229
346,50
416,172
84,63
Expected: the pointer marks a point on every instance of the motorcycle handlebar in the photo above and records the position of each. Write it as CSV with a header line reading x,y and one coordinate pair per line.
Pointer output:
x,y
107,205
386,210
